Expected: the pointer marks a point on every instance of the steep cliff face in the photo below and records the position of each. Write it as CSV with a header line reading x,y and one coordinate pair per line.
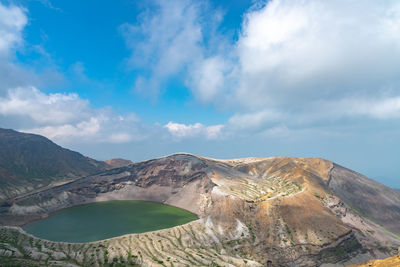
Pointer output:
x,y
283,211
29,162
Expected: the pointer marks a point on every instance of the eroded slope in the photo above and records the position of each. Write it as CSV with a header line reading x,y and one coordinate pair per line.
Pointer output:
x,y
252,211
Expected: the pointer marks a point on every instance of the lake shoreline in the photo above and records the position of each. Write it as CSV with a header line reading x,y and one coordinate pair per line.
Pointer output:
x,y
107,219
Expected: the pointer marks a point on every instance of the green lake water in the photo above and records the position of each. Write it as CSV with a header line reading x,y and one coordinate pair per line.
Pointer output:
x,y
97,221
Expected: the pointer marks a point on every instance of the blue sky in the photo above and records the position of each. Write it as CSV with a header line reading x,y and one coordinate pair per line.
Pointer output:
x,y
224,79
79,37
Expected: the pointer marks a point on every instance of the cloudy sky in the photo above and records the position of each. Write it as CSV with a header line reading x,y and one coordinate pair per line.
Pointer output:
x,y
224,79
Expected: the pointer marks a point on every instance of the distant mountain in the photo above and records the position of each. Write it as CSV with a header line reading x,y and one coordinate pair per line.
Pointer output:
x,y
29,162
117,163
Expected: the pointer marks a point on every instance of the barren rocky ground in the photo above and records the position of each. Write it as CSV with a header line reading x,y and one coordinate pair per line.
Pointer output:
x,y
278,211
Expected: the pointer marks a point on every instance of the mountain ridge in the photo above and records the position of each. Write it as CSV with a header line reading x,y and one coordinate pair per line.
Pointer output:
x,y
282,207
29,162
256,211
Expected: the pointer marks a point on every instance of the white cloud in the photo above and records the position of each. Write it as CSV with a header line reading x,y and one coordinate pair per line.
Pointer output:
x,y
182,130
300,62
170,42
295,62
214,131
164,42
254,120
281,131
292,53
379,108
12,21
68,118
208,78
179,130
174,39
82,129
120,138
93,131
44,108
